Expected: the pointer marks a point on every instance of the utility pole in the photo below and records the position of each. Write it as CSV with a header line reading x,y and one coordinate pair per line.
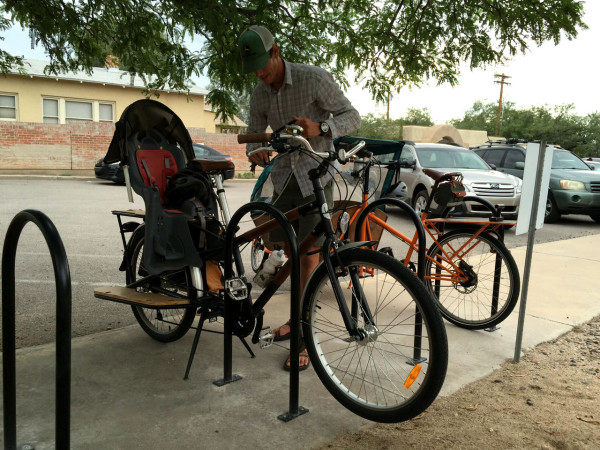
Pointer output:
x,y
388,107
502,82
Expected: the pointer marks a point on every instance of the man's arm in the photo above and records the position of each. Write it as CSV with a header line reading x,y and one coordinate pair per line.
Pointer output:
x,y
257,124
331,98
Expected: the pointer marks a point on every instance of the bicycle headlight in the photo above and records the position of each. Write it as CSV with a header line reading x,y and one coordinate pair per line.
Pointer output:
x,y
572,185
343,223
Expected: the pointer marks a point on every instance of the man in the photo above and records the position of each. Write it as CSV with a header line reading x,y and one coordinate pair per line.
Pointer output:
x,y
309,96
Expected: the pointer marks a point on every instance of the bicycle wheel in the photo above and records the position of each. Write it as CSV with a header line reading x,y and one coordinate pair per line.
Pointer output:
x,y
491,288
257,254
396,371
164,325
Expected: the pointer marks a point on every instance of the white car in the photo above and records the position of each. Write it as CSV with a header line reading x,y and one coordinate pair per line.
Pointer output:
x,y
479,178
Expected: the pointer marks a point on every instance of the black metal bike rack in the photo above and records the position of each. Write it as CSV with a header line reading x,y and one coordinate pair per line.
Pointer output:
x,y
420,255
63,327
294,409
495,211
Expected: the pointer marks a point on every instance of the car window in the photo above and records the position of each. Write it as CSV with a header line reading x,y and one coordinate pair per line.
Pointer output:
x,y
455,158
200,151
566,160
513,157
495,156
406,155
482,152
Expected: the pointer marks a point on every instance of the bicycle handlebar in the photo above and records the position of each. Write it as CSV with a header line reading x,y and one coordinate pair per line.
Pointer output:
x,y
271,137
256,138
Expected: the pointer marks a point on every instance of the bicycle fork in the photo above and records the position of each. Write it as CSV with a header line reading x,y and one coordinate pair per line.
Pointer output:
x,y
359,302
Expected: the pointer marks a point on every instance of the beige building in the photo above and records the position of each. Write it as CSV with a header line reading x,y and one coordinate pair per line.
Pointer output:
x,y
66,121
446,133
98,97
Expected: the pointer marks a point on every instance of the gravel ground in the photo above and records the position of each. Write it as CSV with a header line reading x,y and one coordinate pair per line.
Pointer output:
x,y
549,400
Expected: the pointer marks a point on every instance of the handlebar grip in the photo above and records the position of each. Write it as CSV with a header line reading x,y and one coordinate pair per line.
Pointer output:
x,y
253,138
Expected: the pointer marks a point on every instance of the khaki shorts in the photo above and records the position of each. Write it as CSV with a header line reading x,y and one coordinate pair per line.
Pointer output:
x,y
291,198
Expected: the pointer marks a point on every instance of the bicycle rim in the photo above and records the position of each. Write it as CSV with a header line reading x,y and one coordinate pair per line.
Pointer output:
x,y
257,253
492,290
373,377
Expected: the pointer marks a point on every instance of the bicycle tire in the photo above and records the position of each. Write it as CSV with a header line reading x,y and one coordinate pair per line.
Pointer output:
x,y
257,254
164,325
394,295
469,305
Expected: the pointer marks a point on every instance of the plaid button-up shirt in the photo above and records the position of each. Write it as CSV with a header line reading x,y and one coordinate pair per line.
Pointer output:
x,y
307,91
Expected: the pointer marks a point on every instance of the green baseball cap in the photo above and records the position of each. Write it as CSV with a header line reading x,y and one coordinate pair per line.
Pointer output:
x,y
255,44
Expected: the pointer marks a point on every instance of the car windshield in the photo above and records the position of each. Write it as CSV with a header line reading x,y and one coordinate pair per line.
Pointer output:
x,y
563,159
455,158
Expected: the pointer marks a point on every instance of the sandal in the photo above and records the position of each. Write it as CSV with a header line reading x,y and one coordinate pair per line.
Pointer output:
x,y
278,337
303,353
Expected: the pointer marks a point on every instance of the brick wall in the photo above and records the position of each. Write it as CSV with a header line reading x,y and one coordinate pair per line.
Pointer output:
x,y
43,146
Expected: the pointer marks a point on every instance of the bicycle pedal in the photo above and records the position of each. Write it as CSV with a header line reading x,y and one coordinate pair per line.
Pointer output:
x,y
265,339
236,288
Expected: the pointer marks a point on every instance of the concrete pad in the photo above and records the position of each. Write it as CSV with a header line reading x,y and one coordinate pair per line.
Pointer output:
x,y
128,390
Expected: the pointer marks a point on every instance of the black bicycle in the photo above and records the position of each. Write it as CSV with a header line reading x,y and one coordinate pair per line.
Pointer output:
x,y
372,330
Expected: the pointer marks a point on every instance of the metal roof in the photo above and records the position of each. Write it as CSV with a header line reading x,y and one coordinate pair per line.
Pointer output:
x,y
99,75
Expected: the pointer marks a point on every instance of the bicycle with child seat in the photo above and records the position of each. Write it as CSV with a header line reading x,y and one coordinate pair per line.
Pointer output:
x,y
471,273
375,338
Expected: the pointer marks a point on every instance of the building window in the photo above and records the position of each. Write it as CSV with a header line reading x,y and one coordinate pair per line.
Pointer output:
x,y
105,112
60,110
8,107
51,110
76,111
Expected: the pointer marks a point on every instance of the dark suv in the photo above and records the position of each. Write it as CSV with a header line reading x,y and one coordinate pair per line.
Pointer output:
x,y
574,187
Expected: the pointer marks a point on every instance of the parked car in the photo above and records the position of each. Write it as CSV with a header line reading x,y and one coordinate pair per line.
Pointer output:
x,y
574,187
114,172
479,178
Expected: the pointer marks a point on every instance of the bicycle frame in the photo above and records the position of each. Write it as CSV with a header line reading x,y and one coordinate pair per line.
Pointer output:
x,y
328,249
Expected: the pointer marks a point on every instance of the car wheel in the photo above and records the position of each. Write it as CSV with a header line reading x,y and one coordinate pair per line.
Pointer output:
x,y
552,213
420,201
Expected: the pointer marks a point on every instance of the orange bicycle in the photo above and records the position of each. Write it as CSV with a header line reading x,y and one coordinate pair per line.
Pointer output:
x,y
471,273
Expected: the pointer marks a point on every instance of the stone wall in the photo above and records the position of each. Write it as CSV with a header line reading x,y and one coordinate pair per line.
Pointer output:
x,y
76,147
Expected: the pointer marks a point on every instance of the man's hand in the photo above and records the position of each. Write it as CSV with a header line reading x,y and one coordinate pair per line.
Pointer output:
x,y
260,158
310,127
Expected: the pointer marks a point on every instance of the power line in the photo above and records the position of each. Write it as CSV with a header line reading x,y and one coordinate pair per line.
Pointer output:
x,y
502,82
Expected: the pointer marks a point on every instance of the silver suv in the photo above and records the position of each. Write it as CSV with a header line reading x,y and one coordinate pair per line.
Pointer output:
x,y
479,178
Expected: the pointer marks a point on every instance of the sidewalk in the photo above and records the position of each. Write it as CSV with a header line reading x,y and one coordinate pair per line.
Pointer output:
x,y
128,390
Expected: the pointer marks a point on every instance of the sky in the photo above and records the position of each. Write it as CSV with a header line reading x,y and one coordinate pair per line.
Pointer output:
x,y
545,76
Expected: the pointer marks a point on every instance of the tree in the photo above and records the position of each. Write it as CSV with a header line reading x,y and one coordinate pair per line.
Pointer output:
x,y
558,126
389,44
380,127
